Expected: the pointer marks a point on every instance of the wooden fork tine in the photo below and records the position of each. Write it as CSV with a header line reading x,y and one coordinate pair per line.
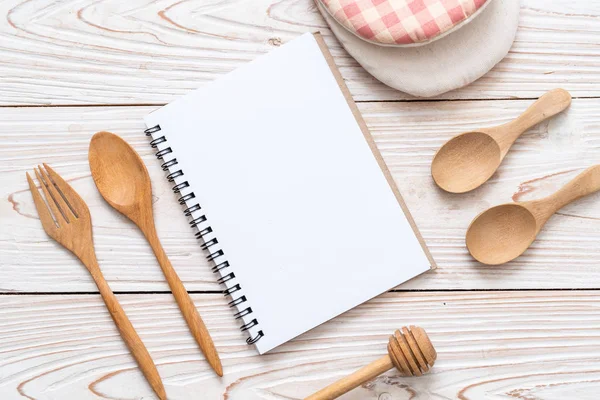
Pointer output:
x,y
45,217
50,189
56,210
76,203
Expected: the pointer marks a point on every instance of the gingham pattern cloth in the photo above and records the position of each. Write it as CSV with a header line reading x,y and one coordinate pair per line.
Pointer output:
x,y
401,22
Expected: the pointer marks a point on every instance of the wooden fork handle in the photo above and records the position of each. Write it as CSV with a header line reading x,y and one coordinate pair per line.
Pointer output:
x,y
130,336
187,307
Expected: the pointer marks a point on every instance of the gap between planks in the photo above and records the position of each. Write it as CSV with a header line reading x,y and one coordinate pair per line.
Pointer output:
x,y
415,100
211,292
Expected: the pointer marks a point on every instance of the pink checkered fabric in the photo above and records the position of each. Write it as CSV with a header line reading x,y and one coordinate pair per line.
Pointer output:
x,y
401,22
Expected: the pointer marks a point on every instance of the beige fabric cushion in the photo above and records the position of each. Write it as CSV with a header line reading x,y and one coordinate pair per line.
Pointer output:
x,y
448,63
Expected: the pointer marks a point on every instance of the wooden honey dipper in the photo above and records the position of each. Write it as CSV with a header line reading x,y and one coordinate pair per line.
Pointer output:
x,y
410,351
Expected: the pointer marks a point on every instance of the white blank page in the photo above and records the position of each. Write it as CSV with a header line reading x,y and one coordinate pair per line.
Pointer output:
x,y
299,205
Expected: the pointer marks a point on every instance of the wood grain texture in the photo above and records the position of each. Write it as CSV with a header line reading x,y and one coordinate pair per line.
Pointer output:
x,y
493,345
514,344
565,255
145,51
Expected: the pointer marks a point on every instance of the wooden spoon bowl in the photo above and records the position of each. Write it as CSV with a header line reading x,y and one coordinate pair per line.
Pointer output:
x,y
120,176
466,162
501,233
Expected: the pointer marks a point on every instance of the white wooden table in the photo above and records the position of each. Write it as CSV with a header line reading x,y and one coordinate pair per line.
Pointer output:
x,y
526,330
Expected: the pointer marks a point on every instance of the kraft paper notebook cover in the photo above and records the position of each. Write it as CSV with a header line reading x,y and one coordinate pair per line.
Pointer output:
x,y
285,188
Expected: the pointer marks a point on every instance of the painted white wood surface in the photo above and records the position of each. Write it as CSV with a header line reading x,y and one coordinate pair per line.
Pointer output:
x,y
516,344
499,345
565,255
149,51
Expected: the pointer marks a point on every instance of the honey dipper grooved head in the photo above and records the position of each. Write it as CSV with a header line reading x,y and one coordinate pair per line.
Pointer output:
x,y
411,351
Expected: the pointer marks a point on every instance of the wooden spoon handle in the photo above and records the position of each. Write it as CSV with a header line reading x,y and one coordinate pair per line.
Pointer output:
x,y
130,336
186,305
583,184
548,105
359,377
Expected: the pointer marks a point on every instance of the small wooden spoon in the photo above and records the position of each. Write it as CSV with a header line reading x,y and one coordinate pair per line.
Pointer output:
x,y
122,179
468,160
504,232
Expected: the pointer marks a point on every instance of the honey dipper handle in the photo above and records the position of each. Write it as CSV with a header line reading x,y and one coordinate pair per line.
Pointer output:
x,y
356,379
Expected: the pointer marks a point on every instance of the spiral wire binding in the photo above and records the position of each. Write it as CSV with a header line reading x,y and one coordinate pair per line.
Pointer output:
x,y
214,255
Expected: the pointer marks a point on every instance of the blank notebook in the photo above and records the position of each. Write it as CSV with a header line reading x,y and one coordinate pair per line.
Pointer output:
x,y
287,192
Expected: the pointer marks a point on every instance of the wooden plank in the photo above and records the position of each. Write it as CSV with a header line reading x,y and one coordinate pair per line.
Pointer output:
x,y
115,52
526,345
565,256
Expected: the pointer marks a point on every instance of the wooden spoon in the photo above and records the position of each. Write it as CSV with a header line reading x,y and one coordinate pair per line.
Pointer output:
x,y
468,160
123,181
504,232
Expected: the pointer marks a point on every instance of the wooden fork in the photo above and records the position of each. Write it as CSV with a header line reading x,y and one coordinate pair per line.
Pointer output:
x,y
66,218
